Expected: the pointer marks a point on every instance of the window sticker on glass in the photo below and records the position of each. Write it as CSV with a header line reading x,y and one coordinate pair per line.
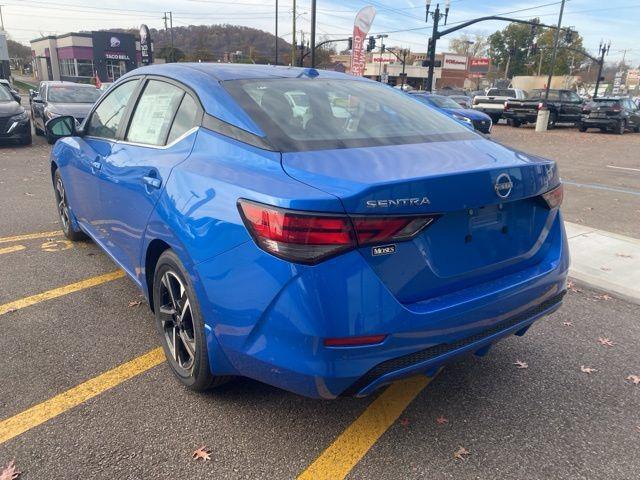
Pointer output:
x,y
154,112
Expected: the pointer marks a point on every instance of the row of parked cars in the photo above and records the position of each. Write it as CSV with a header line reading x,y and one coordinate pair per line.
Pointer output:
x,y
518,107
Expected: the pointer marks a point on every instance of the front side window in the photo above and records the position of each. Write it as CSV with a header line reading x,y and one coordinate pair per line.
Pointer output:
x,y
154,113
309,114
106,118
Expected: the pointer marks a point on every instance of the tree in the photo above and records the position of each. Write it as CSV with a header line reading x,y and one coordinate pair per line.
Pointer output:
x,y
17,50
470,46
512,46
171,54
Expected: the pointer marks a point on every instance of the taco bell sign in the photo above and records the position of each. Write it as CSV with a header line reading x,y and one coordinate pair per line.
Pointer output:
x,y
145,45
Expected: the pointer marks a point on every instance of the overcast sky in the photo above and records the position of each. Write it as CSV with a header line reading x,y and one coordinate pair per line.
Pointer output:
x,y
614,20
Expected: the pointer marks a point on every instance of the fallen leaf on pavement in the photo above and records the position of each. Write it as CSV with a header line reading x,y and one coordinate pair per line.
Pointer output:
x,y
605,269
28,194
521,364
459,454
9,472
567,324
404,422
634,378
202,453
441,420
604,296
135,303
606,342
587,369
572,288
624,255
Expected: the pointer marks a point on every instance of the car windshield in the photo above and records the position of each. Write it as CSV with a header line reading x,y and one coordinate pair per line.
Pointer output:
x,y
339,114
604,102
73,94
501,92
5,96
442,102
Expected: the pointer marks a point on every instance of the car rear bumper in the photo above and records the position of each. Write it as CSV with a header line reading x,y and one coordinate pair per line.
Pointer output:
x,y
269,318
522,117
599,122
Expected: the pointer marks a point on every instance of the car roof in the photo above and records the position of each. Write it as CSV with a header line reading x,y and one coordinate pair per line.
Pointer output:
x,y
65,83
204,79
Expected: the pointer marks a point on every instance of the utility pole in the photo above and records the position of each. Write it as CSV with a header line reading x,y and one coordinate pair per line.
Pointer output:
x,y
293,36
436,16
2,20
173,50
554,56
301,64
313,33
603,50
540,64
276,60
382,50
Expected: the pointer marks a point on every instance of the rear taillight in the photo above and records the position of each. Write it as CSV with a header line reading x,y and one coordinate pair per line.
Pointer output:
x,y
616,108
354,341
554,197
540,106
306,237
506,105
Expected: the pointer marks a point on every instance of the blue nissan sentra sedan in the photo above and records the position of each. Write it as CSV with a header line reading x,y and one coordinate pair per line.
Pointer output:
x,y
312,230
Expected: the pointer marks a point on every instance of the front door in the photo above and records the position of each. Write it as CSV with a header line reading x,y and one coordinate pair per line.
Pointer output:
x,y
160,135
95,146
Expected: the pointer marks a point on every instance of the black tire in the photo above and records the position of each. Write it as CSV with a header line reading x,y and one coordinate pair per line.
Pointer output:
x,y
191,363
621,127
553,119
515,123
63,210
603,129
636,129
582,128
27,139
39,132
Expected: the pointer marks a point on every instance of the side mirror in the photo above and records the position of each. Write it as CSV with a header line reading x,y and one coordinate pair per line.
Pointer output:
x,y
60,127
37,99
16,96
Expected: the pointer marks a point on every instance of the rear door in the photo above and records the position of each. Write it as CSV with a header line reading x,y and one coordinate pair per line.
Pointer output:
x,y
160,134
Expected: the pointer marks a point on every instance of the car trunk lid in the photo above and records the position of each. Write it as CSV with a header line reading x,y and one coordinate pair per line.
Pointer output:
x,y
486,196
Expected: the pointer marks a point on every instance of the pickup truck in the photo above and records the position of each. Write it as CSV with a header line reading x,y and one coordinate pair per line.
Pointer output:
x,y
565,106
493,102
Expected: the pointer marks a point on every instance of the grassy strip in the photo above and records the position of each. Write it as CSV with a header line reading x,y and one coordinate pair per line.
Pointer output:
x,y
23,85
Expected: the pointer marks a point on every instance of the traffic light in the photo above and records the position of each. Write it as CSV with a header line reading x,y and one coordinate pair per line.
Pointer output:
x,y
533,49
350,43
437,64
383,48
372,44
568,36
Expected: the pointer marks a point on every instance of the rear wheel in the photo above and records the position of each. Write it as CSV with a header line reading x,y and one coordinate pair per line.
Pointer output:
x,y
64,212
180,325
553,118
515,123
621,127
582,128
636,129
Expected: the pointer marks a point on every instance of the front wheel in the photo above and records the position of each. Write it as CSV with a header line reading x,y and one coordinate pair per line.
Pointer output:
x,y
64,213
553,118
582,128
621,127
181,326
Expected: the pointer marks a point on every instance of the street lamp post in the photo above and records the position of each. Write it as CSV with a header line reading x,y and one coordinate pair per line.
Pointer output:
x,y
382,49
436,16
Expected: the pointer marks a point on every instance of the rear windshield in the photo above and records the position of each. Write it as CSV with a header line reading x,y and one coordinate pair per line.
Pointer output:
x,y
73,94
554,95
501,92
313,114
604,103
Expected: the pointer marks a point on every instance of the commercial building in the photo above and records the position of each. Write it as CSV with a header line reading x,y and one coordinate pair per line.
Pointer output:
x,y
77,57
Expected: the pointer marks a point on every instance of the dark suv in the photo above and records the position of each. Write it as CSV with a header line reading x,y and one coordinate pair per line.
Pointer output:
x,y
610,114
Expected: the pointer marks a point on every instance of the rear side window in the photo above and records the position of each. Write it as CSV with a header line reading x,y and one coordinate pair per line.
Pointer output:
x,y
106,119
185,118
501,92
154,113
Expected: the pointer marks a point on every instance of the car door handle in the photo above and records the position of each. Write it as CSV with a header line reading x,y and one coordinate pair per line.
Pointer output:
x,y
152,181
96,164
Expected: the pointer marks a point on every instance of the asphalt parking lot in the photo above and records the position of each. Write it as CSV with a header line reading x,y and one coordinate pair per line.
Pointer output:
x,y
85,393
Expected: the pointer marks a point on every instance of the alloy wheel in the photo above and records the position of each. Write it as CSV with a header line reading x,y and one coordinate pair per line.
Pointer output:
x,y
63,208
176,318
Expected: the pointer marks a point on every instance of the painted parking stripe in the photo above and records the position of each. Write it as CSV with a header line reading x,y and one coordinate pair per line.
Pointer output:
x,y
351,445
15,248
51,408
30,236
59,292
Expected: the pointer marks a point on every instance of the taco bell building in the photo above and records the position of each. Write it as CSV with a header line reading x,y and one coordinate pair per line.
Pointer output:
x,y
77,57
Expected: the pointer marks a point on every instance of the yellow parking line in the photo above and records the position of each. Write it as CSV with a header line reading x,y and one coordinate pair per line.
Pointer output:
x,y
38,414
15,248
30,236
59,292
348,449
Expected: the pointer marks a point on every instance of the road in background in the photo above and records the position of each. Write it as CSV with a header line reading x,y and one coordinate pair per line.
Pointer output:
x,y
601,172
